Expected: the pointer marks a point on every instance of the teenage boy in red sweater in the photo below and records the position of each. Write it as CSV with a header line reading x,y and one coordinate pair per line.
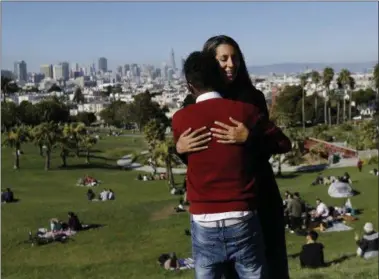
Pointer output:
x,y
221,180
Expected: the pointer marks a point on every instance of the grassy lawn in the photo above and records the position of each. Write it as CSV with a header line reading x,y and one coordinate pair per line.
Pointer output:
x,y
139,224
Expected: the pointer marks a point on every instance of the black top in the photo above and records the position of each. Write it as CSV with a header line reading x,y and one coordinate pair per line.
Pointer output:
x,y
312,255
74,223
369,242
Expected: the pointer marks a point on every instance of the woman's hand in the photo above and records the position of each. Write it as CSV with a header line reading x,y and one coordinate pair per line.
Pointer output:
x,y
231,134
192,142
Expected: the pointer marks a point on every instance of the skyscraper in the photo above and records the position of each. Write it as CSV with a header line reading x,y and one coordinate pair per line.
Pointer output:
x,y
103,64
20,71
47,70
173,65
61,71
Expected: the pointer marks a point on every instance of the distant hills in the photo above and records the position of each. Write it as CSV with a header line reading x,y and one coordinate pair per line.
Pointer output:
x,y
287,68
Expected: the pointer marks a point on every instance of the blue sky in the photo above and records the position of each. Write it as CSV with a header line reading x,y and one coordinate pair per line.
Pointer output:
x,y
130,32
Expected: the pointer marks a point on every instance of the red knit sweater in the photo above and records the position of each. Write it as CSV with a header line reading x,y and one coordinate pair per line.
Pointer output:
x,y
221,178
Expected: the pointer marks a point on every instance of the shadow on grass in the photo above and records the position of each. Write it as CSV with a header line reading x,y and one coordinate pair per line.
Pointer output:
x,y
339,260
287,175
91,227
312,169
91,166
14,201
356,193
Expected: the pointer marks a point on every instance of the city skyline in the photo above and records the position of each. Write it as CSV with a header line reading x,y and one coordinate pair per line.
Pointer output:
x,y
146,33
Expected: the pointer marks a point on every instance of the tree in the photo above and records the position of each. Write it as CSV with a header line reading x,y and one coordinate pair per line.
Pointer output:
x,y
286,103
86,117
76,132
163,153
335,101
65,143
364,97
110,115
303,84
316,78
327,77
54,88
78,96
154,132
87,142
143,109
8,86
376,78
369,134
27,113
345,82
52,110
14,138
46,134
9,115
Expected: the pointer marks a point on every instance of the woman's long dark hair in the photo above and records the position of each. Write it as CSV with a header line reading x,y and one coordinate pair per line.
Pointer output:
x,y
242,80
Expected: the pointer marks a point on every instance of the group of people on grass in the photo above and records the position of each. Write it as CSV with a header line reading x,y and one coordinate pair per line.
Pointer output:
x,y
300,216
151,177
88,181
327,180
7,196
105,195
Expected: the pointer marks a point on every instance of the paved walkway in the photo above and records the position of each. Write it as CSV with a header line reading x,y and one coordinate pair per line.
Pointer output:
x,y
285,168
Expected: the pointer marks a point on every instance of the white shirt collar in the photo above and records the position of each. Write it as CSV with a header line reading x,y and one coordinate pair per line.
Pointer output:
x,y
208,96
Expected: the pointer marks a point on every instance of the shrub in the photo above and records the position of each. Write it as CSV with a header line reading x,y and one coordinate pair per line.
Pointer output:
x,y
373,160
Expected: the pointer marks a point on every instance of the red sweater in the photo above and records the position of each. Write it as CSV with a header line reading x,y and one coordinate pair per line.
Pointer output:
x,y
221,178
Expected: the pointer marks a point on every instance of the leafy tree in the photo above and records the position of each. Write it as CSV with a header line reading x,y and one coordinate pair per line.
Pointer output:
x,y
327,78
369,134
86,117
154,132
54,88
122,115
376,77
14,138
87,142
8,86
110,115
52,110
286,102
65,143
364,97
78,96
164,154
27,113
143,109
9,115
47,135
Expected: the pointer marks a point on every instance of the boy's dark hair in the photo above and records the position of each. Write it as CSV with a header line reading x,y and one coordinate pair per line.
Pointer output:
x,y
313,235
202,71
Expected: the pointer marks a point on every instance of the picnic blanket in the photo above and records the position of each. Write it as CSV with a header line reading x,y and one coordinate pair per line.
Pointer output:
x,y
338,227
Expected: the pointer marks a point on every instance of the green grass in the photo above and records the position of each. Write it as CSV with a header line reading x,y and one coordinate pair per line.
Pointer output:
x,y
133,238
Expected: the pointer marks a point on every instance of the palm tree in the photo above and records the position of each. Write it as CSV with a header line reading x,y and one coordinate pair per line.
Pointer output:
x,y
87,142
164,154
303,84
316,78
65,144
75,131
376,79
335,98
14,138
47,135
8,86
327,77
343,81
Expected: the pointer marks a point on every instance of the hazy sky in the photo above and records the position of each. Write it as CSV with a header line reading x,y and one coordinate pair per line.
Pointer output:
x,y
273,32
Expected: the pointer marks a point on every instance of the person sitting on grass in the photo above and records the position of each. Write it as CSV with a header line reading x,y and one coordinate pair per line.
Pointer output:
x,y
319,180
73,222
345,178
7,196
90,195
55,225
321,213
104,195
145,178
172,262
111,195
312,253
368,245
374,172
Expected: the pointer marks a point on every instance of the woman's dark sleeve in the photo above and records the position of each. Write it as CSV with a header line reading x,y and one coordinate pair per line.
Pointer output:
x,y
257,98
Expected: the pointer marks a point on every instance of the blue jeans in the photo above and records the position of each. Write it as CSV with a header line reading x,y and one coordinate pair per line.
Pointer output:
x,y
241,244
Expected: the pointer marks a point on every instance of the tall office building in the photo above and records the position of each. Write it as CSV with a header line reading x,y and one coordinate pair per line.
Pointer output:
x,y
47,70
173,65
103,67
20,71
61,71
126,68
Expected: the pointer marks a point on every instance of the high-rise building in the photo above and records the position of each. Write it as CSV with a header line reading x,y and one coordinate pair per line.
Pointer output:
x,y
126,68
119,70
103,64
173,65
20,71
47,70
61,71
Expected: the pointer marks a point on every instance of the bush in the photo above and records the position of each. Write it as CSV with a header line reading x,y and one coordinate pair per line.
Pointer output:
x,y
373,160
346,127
